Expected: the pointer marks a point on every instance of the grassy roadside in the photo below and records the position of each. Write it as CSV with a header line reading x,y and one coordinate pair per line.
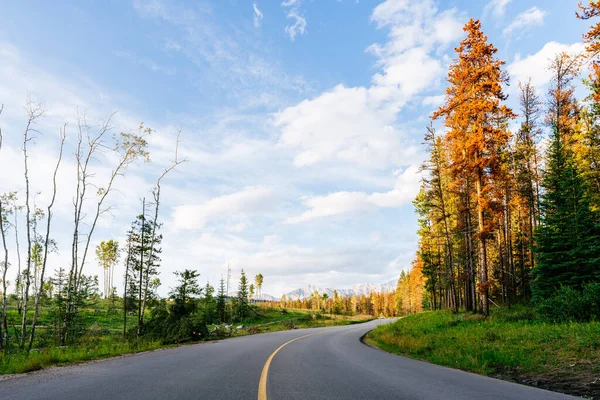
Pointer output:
x,y
104,340
510,344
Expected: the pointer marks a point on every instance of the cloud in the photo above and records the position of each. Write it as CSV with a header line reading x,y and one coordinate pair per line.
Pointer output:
x,y
434,101
497,7
240,204
406,188
535,66
525,20
228,61
293,12
258,16
356,125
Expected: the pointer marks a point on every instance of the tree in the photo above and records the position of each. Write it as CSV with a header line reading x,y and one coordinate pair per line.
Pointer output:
x,y
154,237
34,112
259,283
251,292
144,263
128,148
209,304
221,301
107,253
476,119
242,297
587,141
568,236
48,242
132,240
184,295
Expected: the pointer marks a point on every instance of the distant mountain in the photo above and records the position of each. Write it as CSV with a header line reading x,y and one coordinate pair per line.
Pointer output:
x,y
358,290
263,296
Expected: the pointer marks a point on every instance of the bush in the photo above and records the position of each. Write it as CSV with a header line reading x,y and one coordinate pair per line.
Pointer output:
x,y
591,296
569,304
172,328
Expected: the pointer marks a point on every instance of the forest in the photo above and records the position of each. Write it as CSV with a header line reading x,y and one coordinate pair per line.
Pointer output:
x,y
514,217
509,223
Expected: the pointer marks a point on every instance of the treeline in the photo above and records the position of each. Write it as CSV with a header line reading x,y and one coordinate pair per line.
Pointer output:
x,y
406,299
505,216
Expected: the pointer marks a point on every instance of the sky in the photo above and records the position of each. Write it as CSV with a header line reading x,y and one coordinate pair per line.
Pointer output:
x,y
301,121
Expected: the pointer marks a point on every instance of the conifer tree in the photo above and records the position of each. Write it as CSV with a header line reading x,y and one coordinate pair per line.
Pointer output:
x,y
242,306
567,239
221,301
476,117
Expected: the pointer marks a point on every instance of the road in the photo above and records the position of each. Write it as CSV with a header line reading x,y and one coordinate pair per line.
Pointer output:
x,y
321,363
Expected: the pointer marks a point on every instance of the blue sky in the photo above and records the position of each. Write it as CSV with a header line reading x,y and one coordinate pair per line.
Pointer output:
x,y
301,120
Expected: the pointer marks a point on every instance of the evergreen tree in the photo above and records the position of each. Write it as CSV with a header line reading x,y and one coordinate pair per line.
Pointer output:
x,y
242,303
209,304
184,295
221,301
568,249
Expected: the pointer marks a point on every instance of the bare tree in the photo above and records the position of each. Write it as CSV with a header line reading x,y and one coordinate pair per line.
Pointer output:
x,y
47,240
142,230
128,147
4,325
34,112
156,193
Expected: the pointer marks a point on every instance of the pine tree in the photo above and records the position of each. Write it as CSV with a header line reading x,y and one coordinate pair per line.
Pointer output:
x,y
567,239
221,301
476,117
209,304
242,297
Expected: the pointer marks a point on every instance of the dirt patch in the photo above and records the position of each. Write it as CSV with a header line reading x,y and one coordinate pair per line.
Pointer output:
x,y
579,380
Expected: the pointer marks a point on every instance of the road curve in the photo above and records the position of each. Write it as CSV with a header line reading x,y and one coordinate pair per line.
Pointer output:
x,y
329,363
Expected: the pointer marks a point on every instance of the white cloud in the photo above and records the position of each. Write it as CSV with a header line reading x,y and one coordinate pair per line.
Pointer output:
x,y
497,7
535,66
258,16
356,125
226,59
240,204
293,12
405,189
434,101
525,20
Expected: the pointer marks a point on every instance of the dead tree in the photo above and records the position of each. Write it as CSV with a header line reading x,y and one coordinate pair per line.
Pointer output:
x,y
156,193
34,112
47,241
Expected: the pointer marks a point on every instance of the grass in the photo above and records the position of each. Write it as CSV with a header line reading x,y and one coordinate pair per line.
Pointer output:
x,y
20,362
275,320
103,335
510,344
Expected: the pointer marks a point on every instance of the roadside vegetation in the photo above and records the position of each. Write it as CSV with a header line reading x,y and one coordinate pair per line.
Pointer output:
x,y
509,223
513,344
102,324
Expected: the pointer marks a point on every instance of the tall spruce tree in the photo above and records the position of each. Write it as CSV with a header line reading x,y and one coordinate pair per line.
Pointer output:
x,y
221,301
242,306
568,238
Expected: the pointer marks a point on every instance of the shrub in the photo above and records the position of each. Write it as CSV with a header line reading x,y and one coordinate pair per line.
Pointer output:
x,y
591,296
569,304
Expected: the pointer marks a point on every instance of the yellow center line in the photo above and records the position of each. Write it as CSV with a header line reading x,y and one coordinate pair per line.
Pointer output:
x,y
262,385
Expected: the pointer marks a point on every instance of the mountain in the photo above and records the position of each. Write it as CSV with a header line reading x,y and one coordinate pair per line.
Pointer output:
x,y
263,296
358,290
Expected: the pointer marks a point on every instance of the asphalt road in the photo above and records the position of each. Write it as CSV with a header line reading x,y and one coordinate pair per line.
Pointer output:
x,y
329,363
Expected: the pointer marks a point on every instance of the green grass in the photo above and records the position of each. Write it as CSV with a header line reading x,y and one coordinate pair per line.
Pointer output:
x,y
510,344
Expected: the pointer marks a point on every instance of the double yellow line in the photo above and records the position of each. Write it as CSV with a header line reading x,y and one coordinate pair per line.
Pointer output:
x,y
262,384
